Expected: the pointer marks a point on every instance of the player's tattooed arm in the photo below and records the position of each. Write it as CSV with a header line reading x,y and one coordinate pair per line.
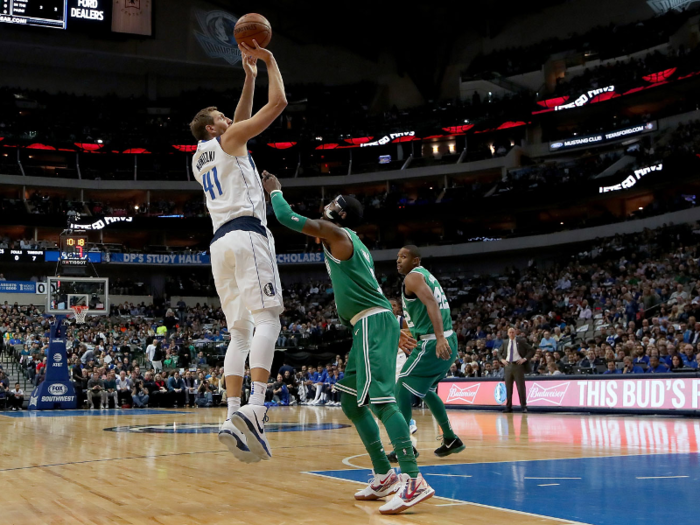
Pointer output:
x,y
334,237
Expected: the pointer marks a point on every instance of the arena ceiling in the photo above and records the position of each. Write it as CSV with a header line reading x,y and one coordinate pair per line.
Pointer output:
x,y
420,36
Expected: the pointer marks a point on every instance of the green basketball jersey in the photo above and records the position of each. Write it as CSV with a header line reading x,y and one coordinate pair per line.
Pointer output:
x,y
354,284
416,313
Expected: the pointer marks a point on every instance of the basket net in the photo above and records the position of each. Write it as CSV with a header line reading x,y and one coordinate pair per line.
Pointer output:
x,y
80,313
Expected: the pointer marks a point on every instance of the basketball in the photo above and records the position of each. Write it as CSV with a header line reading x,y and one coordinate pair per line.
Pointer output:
x,y
253,26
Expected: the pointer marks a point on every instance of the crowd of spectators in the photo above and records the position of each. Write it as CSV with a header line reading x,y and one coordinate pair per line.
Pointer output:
x,y
604,42
626,304
629,73
157,341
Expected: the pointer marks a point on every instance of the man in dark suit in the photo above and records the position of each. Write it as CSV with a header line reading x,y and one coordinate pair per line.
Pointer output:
x,y
515,355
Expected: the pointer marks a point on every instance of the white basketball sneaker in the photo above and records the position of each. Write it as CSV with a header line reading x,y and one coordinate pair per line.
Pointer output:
x,y
412,492
250,420
235,440
380,486
413,427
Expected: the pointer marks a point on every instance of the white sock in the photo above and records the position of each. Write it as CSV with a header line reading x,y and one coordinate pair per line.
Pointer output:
x,y
234,403
257,393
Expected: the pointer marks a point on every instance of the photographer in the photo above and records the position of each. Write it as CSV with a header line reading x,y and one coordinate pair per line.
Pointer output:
x,y
139,394
204,395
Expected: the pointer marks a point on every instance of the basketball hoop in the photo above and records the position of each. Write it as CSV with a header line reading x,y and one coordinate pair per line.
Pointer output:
x,y
80,312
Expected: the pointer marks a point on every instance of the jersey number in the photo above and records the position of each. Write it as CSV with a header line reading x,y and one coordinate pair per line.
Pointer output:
x,y
441,299
208,187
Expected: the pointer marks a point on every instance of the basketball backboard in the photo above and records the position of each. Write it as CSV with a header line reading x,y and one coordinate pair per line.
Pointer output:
x,y
65,292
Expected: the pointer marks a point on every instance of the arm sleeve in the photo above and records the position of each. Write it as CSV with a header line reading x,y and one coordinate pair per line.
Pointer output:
x,y
284,213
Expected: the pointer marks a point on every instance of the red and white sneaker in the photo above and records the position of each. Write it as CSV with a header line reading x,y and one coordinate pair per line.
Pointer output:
x,y
380,487
412,492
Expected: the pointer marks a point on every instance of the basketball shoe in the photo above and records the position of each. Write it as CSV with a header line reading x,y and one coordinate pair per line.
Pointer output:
x,y
250,420
412,492
453,447
412,426
380,486
234,439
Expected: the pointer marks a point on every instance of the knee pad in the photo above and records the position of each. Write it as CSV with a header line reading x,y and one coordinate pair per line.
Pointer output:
x,y
268,320
267,330
237,352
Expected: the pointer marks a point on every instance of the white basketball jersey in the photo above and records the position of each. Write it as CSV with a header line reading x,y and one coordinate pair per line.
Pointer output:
x,y
231,184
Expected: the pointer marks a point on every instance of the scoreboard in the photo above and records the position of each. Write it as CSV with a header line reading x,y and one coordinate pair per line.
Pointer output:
x,y
92,16
59,14
41,13
21,256
74,249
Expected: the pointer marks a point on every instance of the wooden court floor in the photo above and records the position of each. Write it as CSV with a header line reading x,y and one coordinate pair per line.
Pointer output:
x,y
167,467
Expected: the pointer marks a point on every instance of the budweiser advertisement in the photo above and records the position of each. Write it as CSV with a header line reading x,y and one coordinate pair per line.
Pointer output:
x,y
613,394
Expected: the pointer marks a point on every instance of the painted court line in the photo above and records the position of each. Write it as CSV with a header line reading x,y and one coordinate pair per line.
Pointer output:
x,y
663,477
456,502
550,485
347,462
550,478
450,475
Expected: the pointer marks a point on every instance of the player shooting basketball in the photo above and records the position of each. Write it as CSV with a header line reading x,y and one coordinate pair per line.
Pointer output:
x,y
369,376
243,251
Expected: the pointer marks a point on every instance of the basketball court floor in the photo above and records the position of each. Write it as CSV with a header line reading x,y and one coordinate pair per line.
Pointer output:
x,y
167,466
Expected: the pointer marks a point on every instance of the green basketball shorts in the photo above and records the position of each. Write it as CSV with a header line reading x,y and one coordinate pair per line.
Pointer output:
x,y
424,369
371,369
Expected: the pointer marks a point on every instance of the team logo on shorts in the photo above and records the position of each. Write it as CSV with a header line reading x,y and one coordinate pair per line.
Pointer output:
x,y
269,290
499,393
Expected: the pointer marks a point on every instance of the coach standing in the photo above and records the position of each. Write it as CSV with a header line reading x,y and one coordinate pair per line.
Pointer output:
x,y
515,355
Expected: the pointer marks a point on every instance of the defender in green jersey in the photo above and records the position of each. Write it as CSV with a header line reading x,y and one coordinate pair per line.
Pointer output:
x,y
369,375
427,314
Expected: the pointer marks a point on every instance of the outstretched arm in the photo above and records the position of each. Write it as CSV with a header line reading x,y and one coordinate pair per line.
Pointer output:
x,y
241,132
244,109
336,239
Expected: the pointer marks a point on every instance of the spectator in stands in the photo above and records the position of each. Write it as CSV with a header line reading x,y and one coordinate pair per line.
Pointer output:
x,y
96,390
110,390
552,369
139,394
124,387
677,363
176,387
548,343
16,398
151,389
205,396
630,367
612,368
190,389
280,395
497,370
656,367
4,387
454,371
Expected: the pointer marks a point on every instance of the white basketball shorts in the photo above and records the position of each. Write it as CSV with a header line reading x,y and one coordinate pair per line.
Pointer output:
x,y
245,271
